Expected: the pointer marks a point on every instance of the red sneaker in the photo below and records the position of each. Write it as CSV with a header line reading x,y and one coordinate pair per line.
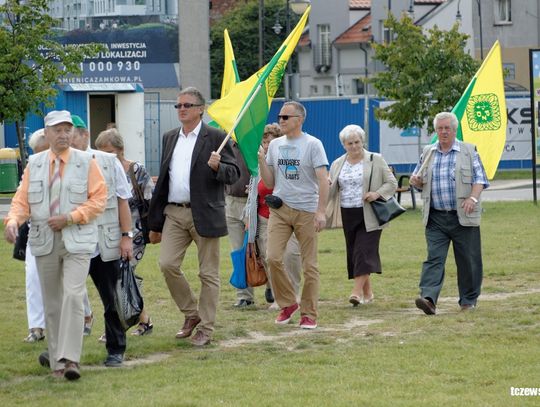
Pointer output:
x,y
286,314
307,323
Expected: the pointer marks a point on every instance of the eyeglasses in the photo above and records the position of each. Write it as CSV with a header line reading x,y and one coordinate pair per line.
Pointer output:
x,y
286,116
186,105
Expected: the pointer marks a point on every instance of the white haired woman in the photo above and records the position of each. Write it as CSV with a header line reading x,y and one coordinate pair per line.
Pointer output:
x,y
349,205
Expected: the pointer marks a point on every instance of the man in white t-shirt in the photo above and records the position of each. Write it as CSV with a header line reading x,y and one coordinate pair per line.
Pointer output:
x,y
296,168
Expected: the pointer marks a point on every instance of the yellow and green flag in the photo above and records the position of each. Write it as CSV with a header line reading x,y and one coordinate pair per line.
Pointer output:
x,y
230,71
249,129
481,111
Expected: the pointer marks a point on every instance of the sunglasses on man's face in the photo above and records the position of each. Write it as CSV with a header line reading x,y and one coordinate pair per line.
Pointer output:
x,y
286,116
186,105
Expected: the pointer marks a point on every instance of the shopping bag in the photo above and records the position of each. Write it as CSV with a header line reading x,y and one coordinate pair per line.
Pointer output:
x,y
128,299
238,259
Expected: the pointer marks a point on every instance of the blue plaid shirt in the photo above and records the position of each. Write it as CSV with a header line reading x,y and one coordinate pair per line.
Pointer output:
x,y
443,178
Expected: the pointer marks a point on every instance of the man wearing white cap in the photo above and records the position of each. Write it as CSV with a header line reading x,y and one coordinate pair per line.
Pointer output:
x,y
62,192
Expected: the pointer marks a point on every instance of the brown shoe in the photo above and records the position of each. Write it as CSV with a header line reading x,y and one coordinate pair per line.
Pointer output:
x,y
426,305
467,307
189,325
200,338
71,370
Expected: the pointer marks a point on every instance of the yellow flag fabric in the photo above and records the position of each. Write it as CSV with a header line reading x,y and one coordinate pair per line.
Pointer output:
x,y
225,110
481,111
230,71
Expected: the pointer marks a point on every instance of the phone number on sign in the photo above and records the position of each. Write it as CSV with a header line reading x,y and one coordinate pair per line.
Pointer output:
x,y
113,66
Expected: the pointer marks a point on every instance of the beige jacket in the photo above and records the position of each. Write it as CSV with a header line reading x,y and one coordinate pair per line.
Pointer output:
x,y
463,177
383,182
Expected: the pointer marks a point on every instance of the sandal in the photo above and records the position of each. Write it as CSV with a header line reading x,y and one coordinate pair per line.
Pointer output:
x,y
35,335
355,300
144,328
368,300
88,322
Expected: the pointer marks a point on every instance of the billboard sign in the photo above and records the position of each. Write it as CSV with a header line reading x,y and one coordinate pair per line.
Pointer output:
x,y
146,55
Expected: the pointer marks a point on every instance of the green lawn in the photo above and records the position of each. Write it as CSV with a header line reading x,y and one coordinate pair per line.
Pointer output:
x,y
383,354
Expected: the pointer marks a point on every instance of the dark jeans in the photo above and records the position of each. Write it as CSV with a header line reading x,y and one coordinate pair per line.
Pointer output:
x,y
105,275
443,228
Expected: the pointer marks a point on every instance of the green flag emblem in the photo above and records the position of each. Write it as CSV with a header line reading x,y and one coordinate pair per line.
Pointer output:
x,y
483,113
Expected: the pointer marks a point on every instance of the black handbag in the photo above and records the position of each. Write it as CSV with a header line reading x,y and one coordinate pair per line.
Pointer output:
x,y
387,210
142,205
19,250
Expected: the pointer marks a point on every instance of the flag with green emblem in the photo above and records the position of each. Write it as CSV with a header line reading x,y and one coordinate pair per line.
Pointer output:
x,y
481,111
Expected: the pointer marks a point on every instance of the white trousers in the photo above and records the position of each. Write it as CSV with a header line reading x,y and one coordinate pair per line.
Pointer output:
x,y
34,300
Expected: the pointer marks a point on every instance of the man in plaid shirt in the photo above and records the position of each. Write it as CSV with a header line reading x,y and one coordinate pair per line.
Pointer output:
x,y
451,177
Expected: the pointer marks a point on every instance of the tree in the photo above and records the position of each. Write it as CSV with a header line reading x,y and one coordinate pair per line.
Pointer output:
x,y
426,74
31,61
243,25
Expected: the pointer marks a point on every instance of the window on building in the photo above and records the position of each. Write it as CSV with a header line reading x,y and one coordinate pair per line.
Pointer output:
x,y
313,90
385,33
358,86
327,90
503,11
509,71
325,46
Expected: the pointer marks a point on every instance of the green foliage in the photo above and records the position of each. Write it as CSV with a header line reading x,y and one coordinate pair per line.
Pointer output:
x,y
243,25
31,62
426,73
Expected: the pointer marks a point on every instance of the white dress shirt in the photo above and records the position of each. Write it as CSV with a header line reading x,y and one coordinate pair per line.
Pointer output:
x,y
180,166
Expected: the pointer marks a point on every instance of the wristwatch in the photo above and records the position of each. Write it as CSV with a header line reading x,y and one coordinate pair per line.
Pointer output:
x,y
128,234
69,220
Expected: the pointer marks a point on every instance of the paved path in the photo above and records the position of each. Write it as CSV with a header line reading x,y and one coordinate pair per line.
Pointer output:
x,y
505,190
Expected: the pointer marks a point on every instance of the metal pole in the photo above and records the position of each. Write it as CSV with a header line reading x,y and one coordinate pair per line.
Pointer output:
x,y
289,64
261,32
366,98
479,2
534,124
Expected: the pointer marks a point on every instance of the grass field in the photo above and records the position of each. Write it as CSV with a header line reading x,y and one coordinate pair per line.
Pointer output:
x,y
386,353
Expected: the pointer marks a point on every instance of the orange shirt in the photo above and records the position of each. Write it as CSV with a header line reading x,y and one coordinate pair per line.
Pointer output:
x,y
89,210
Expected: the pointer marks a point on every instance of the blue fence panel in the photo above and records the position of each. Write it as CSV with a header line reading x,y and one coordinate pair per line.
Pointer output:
x,y
325,119
75,102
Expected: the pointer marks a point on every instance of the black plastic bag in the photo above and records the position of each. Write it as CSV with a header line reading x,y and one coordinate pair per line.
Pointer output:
x,y
128,299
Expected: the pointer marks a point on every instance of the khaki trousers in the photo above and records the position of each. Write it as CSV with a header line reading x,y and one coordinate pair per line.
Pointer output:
x,y
281,224
178,233
291,258
62,276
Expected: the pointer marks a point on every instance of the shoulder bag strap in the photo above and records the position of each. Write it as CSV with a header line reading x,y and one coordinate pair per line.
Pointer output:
x,y
134,183
371,174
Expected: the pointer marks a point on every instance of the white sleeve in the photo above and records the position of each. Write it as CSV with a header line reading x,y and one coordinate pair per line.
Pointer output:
x,y
123,190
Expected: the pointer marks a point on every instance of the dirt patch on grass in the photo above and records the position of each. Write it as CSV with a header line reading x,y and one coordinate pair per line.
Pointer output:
x,y
146,360
254,337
